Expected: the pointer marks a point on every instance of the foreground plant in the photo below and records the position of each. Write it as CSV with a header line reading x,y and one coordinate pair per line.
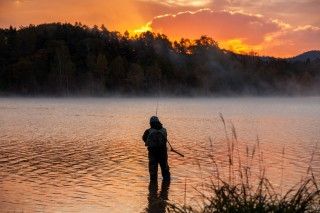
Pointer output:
x,y
238,192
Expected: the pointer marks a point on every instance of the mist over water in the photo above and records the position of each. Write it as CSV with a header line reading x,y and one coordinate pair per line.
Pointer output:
x,y
68,154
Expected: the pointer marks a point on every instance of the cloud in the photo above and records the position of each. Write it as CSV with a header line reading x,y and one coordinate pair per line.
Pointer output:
x,y
181,3
292,41
239,31
221,25
116,16
295,12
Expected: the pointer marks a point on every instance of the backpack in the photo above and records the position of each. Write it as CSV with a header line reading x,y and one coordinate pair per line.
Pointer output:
x,y
156,139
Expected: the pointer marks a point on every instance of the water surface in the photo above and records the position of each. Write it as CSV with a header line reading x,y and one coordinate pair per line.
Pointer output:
x,y
86,154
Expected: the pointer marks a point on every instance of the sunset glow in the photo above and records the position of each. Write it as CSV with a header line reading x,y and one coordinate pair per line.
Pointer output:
x,y
277,28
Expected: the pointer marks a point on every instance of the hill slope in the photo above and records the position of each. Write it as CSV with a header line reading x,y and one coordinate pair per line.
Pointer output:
x,y
311,55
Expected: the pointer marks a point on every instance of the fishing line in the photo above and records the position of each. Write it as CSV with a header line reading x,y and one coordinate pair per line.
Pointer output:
x,y
158,94
157,107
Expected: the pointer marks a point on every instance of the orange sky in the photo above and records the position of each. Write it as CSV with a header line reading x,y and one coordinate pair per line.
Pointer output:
x,y
279,28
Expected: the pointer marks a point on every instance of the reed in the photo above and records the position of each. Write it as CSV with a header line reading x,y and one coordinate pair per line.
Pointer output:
x,y
238,192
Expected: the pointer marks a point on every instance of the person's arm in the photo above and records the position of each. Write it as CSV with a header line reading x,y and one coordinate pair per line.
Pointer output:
x,y
164,131
145,135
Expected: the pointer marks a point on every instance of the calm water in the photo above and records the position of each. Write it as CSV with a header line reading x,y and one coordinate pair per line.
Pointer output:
x,y
86,155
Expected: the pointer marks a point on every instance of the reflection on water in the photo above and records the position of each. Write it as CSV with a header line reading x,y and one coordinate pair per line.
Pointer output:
x,y
86,155
157,202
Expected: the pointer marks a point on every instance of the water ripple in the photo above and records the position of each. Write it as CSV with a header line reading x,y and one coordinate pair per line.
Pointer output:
x,y
76,155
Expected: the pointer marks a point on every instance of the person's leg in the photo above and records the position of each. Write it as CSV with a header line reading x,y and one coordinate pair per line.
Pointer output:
x,y
153,166
164,165
164,189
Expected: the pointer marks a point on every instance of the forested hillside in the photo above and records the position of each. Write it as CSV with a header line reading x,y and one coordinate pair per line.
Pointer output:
x,y
64,60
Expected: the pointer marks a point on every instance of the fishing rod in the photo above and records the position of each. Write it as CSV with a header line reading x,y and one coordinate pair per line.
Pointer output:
x,y
173,150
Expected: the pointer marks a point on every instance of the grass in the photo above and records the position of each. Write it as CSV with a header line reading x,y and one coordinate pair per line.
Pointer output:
x,y
239,192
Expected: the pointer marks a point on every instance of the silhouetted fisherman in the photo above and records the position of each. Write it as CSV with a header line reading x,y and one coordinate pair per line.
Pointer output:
x,y
155,139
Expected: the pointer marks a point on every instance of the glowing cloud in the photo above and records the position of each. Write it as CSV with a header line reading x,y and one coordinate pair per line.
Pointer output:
x,y
183,3
114,15
292,41
221,25
238,46
143,29
239,31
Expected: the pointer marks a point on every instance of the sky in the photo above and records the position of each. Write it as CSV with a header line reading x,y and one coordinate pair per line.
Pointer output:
x,y
280,28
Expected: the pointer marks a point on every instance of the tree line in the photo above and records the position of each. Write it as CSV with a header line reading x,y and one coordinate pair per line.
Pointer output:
x,y
64,59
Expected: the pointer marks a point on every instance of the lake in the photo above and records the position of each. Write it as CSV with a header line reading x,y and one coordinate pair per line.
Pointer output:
x,y
86,154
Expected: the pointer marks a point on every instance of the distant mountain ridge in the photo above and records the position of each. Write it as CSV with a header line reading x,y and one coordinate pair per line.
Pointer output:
x,y
311,55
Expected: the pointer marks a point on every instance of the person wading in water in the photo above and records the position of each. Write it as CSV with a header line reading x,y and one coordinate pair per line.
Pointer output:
x,y
155,138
